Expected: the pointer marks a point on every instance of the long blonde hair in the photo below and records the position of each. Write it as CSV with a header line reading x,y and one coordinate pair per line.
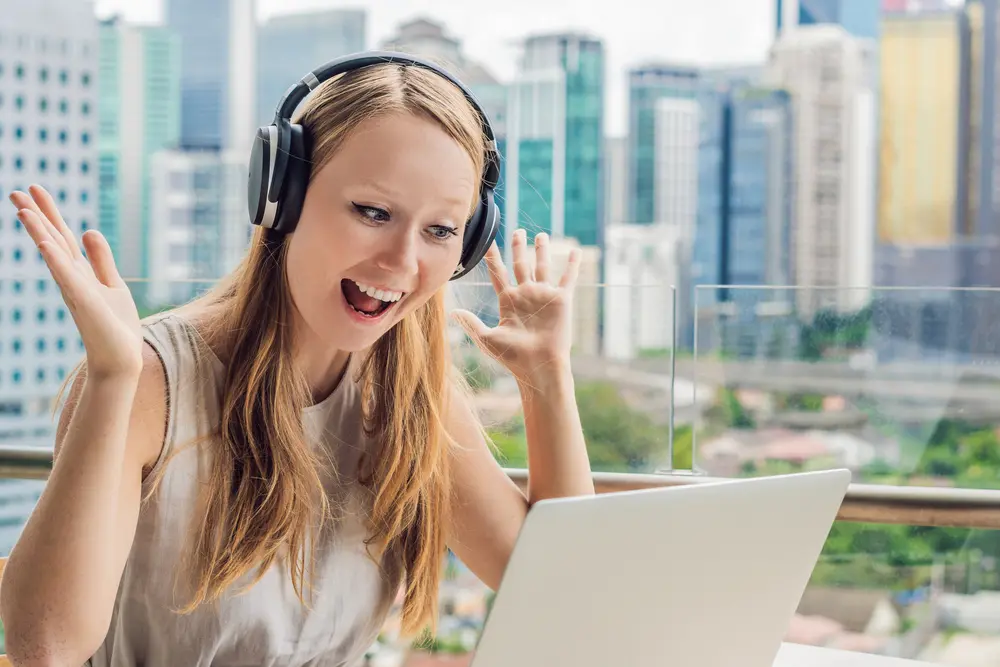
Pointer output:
x,y
265,492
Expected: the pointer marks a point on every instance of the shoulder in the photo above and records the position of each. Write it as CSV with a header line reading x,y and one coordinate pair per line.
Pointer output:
x,y
148,414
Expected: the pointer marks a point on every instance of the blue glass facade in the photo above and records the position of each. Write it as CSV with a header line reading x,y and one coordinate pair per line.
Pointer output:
x,y
566,136
858,17
744,189
291,45
647,85
204,31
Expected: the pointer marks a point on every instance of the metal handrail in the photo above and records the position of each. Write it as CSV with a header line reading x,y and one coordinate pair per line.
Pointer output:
x,y
864,503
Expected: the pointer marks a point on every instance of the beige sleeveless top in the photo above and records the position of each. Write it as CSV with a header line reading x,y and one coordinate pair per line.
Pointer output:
x,y
266,626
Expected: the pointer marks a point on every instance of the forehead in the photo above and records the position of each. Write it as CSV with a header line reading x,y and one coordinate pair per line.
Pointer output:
x,y
409,156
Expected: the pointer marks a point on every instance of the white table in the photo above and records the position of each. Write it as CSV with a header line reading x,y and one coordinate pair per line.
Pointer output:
x,y
796,655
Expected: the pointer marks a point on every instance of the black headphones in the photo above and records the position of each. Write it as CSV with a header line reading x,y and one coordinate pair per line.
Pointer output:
x,y
280,162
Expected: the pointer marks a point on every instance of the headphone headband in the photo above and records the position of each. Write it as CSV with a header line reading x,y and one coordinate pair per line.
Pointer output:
x,y
295,95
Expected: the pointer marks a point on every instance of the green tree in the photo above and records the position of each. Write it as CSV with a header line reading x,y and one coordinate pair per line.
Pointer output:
x,y
619,439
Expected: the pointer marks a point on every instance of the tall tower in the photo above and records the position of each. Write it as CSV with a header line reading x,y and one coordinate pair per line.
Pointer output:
x,y
48,135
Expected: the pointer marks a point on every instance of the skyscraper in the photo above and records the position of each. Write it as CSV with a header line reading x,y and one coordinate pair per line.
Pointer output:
x,y
218,71
830,76
922,191
745,188
139,108
555,140
48,135
289,45
647,85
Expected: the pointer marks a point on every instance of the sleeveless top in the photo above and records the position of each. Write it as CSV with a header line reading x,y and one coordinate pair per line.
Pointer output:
x,y
267,625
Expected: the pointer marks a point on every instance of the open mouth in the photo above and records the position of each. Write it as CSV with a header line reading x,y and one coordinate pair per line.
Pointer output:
x,y
368,301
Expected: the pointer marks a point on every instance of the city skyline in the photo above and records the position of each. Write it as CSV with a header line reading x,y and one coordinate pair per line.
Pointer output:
x,y
712,33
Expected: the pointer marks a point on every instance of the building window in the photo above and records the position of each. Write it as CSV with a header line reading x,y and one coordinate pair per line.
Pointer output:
x,y
85,79
43,105
63,136
16,377
40,315
19,102
61,373
43,74
18,163
84,196
84,226
16,345
63,106
43,134
19,133
16,315
18,286
62,166
61,314
19,71
40,375
85,138
85,167
61,344
63,76
41,286
18,255
62,196
40,344
43,165
85,108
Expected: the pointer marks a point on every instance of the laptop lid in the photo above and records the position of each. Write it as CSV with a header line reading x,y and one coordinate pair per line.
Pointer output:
x,y
703,575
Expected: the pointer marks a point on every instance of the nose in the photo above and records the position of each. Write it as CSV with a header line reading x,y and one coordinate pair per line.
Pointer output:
x,y
398,255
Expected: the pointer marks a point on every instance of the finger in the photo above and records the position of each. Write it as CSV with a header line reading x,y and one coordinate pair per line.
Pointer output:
x,y
101,259
522,263
65,273
24,201
572,271
497,269
542,257
51,211
37,230
475,327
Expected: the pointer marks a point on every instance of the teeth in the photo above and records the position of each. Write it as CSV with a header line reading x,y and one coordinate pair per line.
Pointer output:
x,y
381,295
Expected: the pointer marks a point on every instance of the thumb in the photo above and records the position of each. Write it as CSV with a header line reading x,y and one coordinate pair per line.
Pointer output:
x,y
473,326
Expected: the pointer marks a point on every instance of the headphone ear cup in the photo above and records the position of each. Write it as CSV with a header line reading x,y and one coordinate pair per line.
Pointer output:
x,y
296,173
482,231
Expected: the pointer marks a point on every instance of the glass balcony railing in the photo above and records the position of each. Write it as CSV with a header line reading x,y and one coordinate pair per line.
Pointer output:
x,y
897,385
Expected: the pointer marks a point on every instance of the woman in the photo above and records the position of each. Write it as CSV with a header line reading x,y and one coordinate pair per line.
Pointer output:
x,y
250,478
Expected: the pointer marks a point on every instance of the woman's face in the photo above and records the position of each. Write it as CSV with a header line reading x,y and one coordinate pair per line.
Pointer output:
x,y
381,229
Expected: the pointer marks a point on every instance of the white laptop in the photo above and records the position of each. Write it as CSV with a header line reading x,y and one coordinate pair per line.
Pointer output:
x,y
705,575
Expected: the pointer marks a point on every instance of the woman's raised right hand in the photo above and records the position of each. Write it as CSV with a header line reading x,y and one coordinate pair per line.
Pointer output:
x,y
98,299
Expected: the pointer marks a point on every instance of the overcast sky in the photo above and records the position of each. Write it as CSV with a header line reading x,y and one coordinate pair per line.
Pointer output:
x,y
695,31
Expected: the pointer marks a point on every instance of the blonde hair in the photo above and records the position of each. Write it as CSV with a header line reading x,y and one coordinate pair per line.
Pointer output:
x,y
265,493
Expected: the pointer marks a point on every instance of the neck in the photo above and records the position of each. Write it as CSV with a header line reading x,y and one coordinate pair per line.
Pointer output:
x,y
322,366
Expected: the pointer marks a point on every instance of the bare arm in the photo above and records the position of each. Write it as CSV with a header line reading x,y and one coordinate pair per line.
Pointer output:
x,y
488,509
60,582
61,579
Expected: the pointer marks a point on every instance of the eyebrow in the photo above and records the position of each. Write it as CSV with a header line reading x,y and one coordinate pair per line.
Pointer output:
x,y
393,195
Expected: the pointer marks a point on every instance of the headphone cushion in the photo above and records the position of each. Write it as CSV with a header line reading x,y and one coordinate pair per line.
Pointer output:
x,y
482,231
298,169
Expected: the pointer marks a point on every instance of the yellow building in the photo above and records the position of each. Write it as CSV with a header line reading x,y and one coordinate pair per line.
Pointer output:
x,y
921,62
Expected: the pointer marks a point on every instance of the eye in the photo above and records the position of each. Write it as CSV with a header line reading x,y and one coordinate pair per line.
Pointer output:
x,y
372,213
443,232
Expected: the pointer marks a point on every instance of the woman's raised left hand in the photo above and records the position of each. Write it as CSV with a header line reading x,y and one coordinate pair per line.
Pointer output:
x,y
534,333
